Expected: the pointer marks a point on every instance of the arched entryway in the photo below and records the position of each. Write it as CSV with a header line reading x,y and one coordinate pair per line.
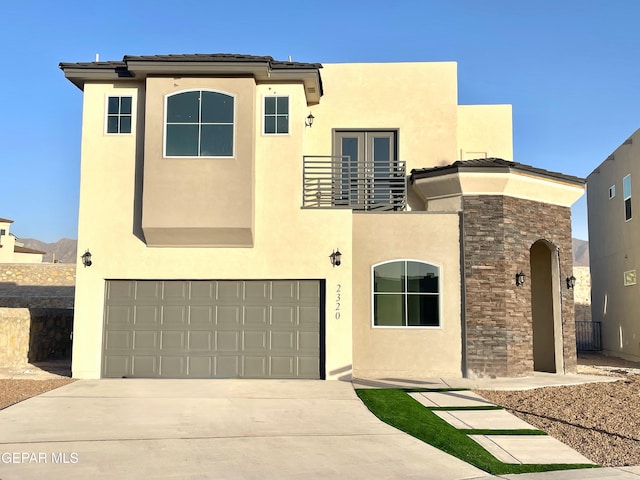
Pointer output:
x,y
546,308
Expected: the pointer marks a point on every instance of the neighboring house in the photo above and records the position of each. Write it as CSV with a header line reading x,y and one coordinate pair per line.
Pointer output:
x,y
217,190
13,251
614,248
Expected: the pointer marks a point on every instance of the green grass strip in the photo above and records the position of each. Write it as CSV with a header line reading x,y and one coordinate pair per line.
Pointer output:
x,y
487,407
399,410
478,431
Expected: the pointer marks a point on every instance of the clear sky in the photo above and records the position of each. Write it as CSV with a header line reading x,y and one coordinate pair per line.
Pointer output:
x,y
570,69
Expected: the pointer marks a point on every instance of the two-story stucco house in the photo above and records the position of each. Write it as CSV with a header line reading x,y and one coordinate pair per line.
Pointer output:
x,y
217,191
14,251
614,248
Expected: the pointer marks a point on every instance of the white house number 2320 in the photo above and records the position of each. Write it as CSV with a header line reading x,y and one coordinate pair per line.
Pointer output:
x,y
338,300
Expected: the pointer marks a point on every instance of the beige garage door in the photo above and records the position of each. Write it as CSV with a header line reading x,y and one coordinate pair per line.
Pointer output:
x,y
212,329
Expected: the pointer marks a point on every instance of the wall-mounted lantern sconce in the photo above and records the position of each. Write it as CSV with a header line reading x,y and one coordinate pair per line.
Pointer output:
x,y
86,258
571,282
336,258
309,121
520,279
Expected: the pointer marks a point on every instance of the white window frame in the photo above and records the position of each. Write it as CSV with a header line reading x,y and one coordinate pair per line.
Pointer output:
x,y
439,295
612,191
626,197
235,122
264,114
106,113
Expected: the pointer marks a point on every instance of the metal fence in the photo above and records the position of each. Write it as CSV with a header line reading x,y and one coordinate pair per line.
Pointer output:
x,y
337,182
589,336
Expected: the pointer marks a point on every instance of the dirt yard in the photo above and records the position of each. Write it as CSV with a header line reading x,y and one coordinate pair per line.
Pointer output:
x,y
599,420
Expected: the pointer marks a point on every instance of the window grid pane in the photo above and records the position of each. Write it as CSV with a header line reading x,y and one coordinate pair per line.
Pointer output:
x,y
276,115
119,114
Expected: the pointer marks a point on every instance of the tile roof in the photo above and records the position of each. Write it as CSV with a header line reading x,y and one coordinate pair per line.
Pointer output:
x,y
5,220
493,164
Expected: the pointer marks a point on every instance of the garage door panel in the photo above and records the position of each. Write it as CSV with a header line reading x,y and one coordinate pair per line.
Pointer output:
x,y
200,367
256,291
212,328
175,291
254,366
145,340
172,340
228,315
118,340
172,366
148,290
256,315
254,340
308,367
200,315
174,315
200,340
283,341
283,316
120,290
144,366
147,315
283,366
119,315
117,366
229,291
227,341
227,366
283,291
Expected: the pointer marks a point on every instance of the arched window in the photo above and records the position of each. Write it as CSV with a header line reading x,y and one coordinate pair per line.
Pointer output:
x,y
199,123
406,293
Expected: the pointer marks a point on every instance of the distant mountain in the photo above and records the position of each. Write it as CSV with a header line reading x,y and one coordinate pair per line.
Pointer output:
x,y
64,250
580,253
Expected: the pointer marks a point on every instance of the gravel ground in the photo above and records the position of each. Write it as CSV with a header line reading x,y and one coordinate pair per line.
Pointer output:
x,y
16,390
599,420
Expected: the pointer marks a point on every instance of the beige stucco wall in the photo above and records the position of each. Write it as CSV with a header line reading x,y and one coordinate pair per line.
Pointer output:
x,y
199,201
7,244
614,249
418,99
485,131
385,352
287,244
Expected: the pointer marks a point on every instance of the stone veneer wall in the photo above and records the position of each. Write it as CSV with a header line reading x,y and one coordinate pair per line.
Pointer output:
x,y
582,293
38,273
498,232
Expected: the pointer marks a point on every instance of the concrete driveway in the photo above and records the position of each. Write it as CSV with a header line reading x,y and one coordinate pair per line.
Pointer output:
x,y
202,429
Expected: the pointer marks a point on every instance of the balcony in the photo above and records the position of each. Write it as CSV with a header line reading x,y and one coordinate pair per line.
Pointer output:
x,y
337,182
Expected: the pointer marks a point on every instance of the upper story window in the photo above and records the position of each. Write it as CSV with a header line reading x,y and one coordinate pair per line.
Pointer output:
x,y
199,123
612,191
119,114
626,191
2,232
276,115
406,293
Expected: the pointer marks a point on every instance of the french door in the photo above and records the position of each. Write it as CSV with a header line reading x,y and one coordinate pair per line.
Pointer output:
x,y
365,162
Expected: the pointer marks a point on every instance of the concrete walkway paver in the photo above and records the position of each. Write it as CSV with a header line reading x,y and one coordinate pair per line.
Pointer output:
x,y
529,449
463,398
484,420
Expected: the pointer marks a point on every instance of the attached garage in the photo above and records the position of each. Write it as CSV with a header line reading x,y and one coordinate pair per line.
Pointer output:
x,y
213,329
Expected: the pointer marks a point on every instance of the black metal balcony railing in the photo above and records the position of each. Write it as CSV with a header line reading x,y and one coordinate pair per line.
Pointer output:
x,y
337,182
589,336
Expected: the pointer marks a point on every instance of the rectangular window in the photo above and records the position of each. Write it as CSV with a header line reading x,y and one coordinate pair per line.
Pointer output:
x,y
119,113
612,191
276,115
2,232
629,278
626,191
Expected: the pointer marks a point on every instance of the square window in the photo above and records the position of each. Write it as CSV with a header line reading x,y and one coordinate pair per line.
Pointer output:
x,y
276,115
119,113
629,278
